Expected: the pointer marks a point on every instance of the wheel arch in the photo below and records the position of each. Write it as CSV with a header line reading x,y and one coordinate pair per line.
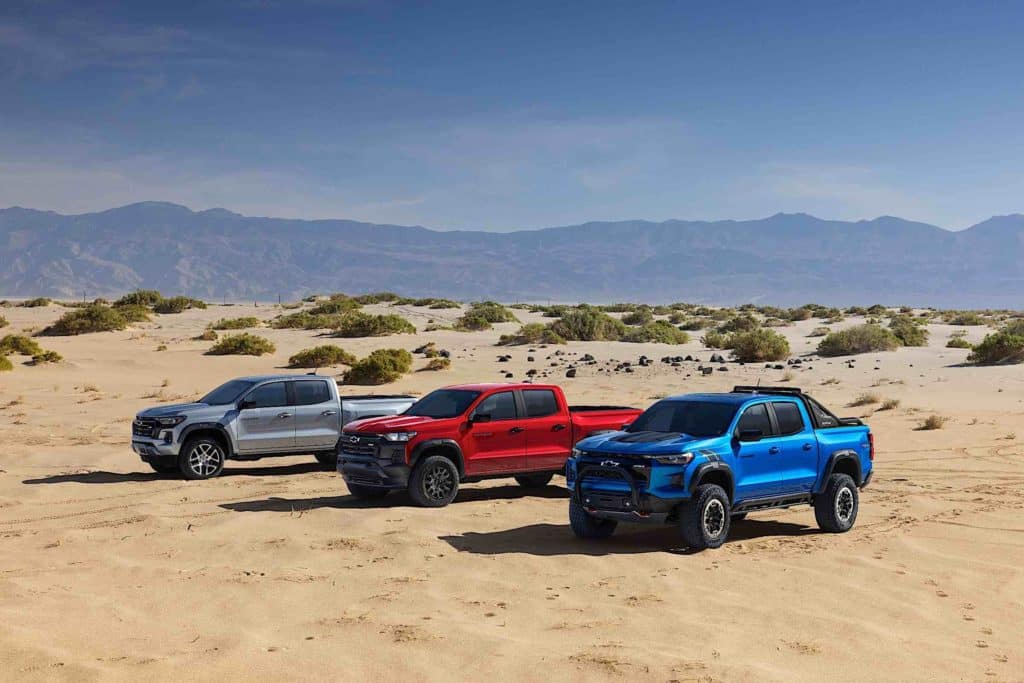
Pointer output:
x,y
844,461
714,473
209,429
446,447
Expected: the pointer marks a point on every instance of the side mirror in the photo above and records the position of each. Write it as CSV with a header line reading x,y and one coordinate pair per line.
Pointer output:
x,y
479,417
751,435
245,404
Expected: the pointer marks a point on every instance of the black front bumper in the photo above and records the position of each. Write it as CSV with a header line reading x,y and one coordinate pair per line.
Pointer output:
x,y
367,471
632,506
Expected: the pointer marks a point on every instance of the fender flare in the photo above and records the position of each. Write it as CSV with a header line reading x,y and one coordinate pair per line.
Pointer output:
x,y
209,426
449,445
830,465
713,466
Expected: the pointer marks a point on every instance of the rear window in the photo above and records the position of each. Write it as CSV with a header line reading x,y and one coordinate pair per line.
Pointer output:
x,y
696,418
308,392
540,402
789,417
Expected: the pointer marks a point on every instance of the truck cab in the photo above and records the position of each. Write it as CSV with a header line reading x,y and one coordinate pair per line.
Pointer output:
x,y
704,460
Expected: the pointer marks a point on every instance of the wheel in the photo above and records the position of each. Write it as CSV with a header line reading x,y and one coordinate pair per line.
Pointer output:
x,y
836,508
534,481
704,520
435,482
363,492
201,458
327,458
738,516
585,525
163,469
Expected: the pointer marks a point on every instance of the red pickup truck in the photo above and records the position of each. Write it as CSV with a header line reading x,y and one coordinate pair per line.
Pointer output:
x,y
467,433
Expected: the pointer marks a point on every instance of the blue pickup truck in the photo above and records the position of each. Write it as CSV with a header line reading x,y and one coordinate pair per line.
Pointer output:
x,y
702,461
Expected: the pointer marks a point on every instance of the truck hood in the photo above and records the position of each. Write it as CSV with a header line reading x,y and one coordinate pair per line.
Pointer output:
x,y
173,409
400,423
647,443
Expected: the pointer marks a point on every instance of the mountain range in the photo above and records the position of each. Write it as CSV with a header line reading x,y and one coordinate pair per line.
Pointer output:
x,y
785,259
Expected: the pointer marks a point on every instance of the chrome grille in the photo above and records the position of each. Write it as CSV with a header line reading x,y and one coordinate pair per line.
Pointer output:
x,y
145,426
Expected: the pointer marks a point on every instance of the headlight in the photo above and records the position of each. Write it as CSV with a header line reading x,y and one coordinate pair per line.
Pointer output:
x,y
400,437
674,459
170,421
577,452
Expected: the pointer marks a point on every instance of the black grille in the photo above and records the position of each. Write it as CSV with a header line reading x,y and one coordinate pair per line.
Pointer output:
x,y
145,426
359,445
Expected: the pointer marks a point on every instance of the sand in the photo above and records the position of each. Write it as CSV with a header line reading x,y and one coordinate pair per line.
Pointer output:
x,y
272,572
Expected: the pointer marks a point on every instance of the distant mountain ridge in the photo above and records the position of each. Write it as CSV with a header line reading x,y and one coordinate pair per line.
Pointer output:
x,y
785,259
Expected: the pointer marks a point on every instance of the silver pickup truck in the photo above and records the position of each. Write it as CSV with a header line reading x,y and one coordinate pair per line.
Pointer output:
x,y
250,418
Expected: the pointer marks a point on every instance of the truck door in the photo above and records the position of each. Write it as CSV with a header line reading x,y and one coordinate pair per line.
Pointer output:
x,y
496,439
317,419
266,421
798,461
757,460
548,432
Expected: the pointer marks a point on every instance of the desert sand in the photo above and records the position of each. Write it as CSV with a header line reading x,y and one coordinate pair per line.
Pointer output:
x,y
272,572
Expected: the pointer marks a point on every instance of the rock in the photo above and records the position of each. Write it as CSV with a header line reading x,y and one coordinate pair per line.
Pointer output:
x,y
723,369
707,371
529,359
571,372
444,353
509,375
587,357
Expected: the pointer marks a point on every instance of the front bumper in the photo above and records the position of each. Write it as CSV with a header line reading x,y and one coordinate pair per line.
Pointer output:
x,y
370,471
154,451
614,492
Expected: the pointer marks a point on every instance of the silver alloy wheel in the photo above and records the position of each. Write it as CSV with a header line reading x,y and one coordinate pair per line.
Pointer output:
x,y
438,483
714,518
844,504
205,458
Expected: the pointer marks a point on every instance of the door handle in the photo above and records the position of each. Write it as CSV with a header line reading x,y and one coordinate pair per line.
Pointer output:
x,y
284,416
808,446
773,450
515,430
328,413
558,428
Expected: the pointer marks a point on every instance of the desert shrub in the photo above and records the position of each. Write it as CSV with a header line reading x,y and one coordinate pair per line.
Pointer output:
x,y
531,333
380,367
641,316
435,364
5,364
242,323
865,400
207,335
965,318
364,325
758,345
36,303
858,339
933,422
958,341
321,357
92,318
660,331
482,314
909,332
134,313
741,323
243,344
586,323
46,357
802,313
556,311
20,344
819,332
619,308
177,304
890,404
376,298
856,310
3,322
335,306
694,325
715,340
1005,346
140,297
304,320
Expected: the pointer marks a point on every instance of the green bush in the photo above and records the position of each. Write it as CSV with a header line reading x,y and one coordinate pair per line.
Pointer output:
x,y
380,367
858,339
321,357
965,318
304,320
958,343
365,325
5,364
741,323
176,304
435,364
243,323
134,313
715,340
36,303
3,322
586,323
376,298
909,332
758,346
819,332
335,306
20,344
46,357
140,297
92,318
660,331
207,335
244,344
1005,346
531,333
482,314
694,325
641,316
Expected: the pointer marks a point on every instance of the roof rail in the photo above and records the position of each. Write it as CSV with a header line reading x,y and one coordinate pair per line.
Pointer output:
x,y
784,391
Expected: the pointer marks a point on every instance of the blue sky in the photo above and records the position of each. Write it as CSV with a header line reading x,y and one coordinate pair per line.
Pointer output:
x,y
511,115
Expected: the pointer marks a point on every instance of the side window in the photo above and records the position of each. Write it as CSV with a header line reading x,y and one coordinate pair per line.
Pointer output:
x,y
500,406
756,417
540,402
309,392
825,419
789,418
269,396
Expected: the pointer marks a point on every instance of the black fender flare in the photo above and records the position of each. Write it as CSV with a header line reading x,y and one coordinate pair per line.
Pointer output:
x,y
713,466
830,466
208,427
449,445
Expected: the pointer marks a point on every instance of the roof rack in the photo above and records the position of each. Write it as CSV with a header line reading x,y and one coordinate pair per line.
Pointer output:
x,y
784,391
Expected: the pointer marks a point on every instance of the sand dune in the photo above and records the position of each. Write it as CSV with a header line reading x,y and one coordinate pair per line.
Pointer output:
x,y
272,572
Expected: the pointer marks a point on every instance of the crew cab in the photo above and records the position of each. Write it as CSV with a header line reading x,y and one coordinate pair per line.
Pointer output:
x,y
250,418
702,461
467,433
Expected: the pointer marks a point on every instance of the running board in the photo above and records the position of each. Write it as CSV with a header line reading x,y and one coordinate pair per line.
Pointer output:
x,y
773,502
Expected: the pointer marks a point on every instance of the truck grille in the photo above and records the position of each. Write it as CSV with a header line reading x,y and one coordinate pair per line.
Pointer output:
x,y
145,426
359,445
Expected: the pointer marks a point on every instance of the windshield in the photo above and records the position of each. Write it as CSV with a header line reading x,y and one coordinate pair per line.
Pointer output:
x,y
227,392
443,403
696,418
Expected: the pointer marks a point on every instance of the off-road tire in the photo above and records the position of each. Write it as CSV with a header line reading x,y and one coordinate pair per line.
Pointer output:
x,y
585,525
434,482
327,458
160,468
363,492
534,481
201,458
836,508
704,519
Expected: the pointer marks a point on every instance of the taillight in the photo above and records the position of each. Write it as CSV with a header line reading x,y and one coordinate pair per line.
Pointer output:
x,y
871,446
